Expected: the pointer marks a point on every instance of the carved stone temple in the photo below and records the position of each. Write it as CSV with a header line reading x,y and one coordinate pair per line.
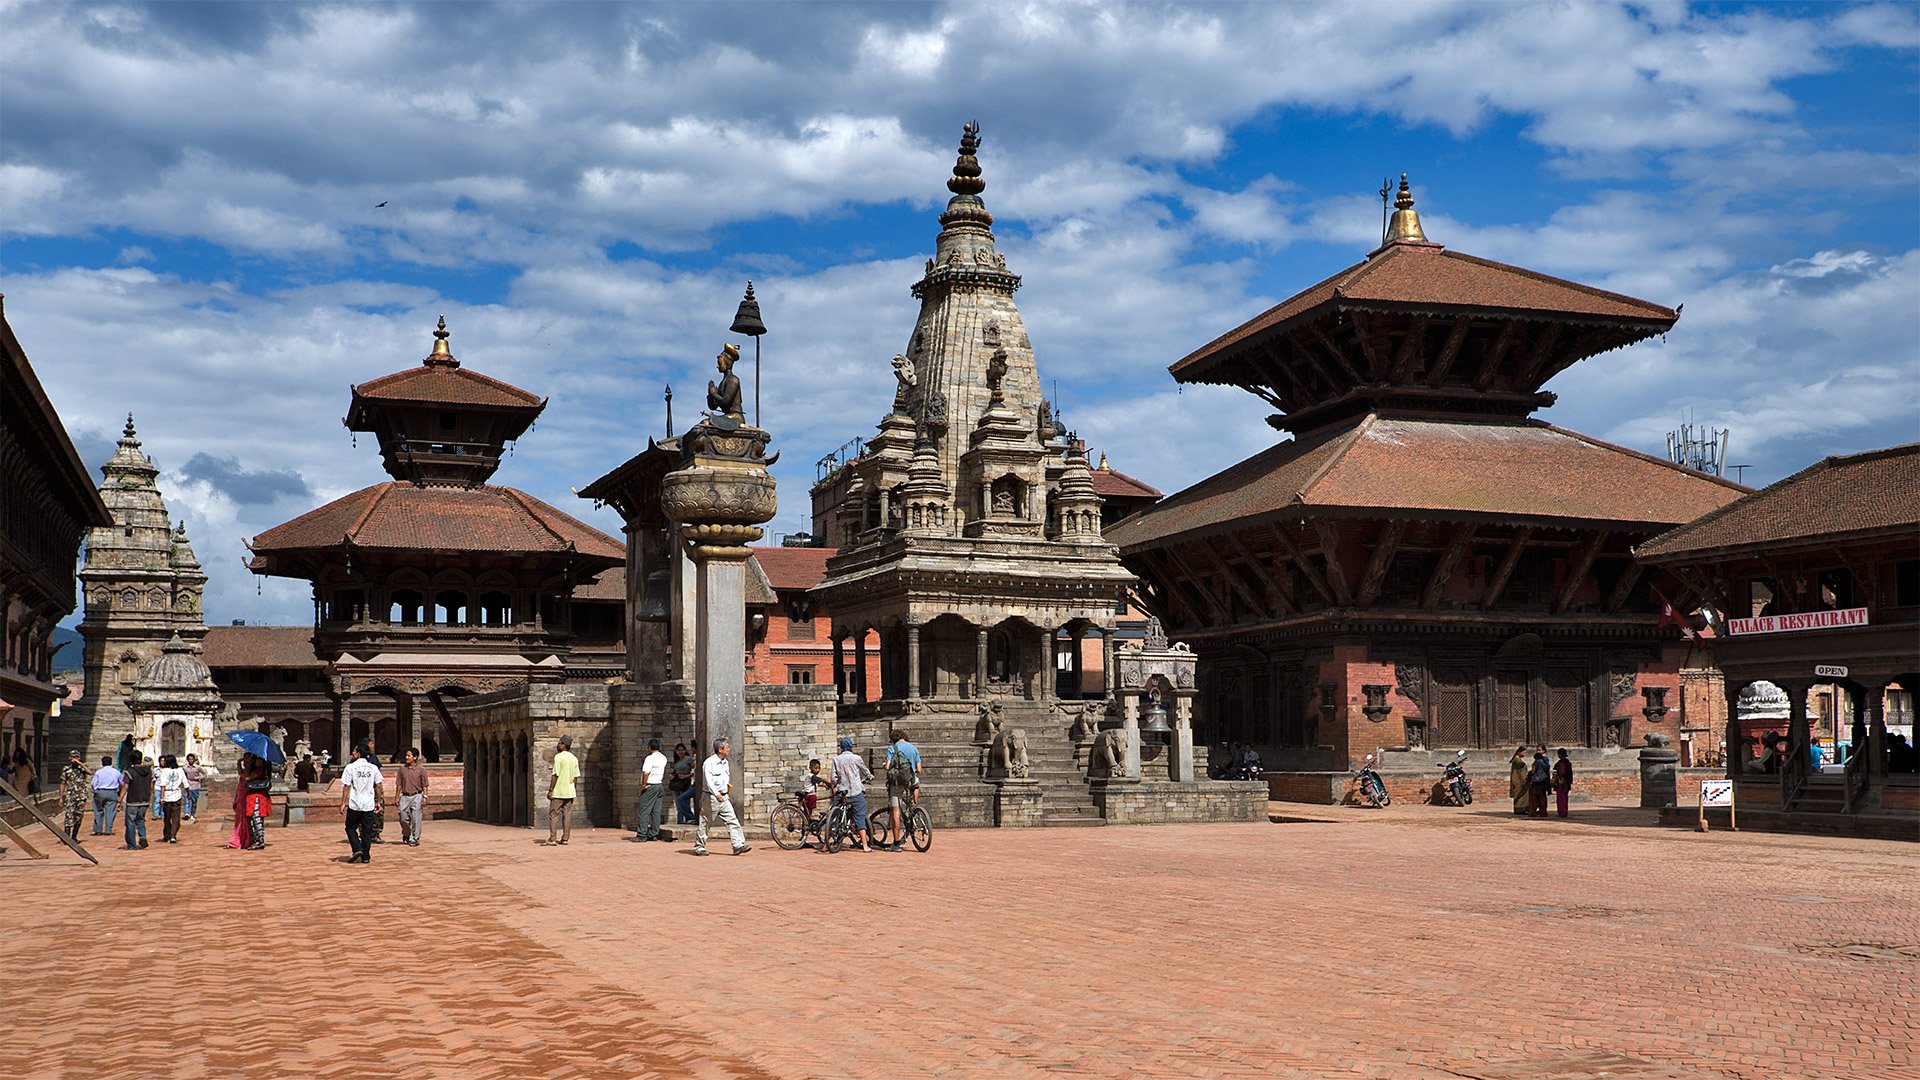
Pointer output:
x,y
971,542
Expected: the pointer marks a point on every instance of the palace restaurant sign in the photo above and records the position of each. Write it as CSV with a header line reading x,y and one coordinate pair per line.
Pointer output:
x,y
1812,620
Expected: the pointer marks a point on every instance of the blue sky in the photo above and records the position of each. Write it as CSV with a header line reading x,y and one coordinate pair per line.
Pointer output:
x,y
188,226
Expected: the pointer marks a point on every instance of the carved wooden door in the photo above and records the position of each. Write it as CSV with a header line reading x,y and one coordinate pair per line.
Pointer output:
x,y
1452,709
1566,707
1508,724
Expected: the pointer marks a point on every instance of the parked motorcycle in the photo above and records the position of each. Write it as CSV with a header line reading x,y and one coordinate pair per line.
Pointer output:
x,y
1455,783
1372,788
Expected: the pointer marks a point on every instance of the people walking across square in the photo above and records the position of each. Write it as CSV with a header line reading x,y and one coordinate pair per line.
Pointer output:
x,y
74,794
136,794
106,796
850,776
170,795
716,801
410,784
653,790
561,789
196,776
360,798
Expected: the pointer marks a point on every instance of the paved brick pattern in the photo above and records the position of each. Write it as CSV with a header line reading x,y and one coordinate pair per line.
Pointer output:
x,y
1413,943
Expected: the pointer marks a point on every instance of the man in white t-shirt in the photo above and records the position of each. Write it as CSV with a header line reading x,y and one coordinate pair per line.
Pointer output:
x,y
653,789
169,796
360,797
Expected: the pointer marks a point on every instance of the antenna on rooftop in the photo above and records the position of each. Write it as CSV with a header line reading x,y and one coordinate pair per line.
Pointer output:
x,y
1699,447
1386,206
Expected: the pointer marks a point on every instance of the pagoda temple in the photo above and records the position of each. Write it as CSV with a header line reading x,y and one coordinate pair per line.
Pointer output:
x,y
1423,565
436,584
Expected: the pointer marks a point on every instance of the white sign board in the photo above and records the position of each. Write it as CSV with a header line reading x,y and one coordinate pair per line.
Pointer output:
x,y
1716,793
1809,620
1829,671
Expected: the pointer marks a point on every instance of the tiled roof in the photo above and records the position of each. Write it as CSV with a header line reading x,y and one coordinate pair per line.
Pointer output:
x,y
450,384
793,567
1844,495
610,585
1523,469
1427,275
260,647
398,516
1112,483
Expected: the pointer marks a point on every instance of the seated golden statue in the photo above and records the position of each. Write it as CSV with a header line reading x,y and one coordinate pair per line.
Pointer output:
x,y
723,398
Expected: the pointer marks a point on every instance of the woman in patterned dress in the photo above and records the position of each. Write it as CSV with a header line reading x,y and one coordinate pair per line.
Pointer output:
x,y
74,793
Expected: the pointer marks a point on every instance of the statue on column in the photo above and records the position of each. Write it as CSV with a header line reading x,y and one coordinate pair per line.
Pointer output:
x,y
723,398
903,394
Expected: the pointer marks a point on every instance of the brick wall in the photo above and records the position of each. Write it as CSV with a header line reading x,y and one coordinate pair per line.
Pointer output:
x,y
1156,802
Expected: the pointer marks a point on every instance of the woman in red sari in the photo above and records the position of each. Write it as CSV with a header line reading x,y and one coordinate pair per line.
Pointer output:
x,y
249,807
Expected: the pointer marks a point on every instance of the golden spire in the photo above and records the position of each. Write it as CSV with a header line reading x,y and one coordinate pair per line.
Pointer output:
x,y
966,170
1103,461
441,354
1405,224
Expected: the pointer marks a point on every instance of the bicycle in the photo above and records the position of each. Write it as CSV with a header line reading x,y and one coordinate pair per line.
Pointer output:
x,y
918,825
791,824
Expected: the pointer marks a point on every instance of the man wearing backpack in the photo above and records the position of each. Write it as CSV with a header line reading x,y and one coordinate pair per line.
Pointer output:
x,y
903,782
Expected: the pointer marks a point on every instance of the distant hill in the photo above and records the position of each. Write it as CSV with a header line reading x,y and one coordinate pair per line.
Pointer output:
x,y
66,649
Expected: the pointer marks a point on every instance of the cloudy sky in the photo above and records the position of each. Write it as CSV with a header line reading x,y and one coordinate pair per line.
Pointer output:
x,y
189,225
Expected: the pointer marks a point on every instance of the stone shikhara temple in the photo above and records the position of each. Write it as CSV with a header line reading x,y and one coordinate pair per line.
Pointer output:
x,y
1423,566
971,542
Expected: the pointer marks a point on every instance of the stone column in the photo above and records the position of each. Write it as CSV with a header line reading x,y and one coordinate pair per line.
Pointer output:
x,y
980,664
407,718
859,674
1130,723
1180,748
1795,767
913,660
1078,635
719,496
1106,661
1733,766
1659,776
1876,744
343,721
840,667
1047,673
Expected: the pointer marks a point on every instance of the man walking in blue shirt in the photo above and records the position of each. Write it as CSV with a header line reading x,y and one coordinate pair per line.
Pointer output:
x,y
106,796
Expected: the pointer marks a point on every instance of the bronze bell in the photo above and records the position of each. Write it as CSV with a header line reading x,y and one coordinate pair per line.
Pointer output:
x,y
747,319
1156,723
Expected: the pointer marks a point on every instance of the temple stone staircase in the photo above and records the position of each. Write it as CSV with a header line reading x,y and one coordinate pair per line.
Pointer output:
x,y
953,767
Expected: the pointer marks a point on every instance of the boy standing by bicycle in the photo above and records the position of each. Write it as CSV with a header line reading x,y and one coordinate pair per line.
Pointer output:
x,y
903,782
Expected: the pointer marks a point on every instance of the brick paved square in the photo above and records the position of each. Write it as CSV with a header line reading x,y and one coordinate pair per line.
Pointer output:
x,y
1408,943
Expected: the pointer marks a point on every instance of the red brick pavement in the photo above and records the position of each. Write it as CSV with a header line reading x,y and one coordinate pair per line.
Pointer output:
x,y
1408,943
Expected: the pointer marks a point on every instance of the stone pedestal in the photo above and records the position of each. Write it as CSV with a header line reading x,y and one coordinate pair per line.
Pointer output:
x,y
1180,754
294,806
718,497
1017,804
1130,726
1659,776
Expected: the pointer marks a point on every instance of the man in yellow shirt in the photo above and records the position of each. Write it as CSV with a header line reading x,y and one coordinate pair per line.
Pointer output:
x,y
560,792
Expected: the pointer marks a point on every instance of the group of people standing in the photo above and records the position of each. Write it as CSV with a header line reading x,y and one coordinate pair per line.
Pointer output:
x,y
130,784
1530,780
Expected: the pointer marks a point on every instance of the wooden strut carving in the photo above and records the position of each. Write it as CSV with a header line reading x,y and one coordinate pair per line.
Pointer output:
x,y
1501,574
1307,569
1623,588
1215,608
1285,604
1254,603
1339,354
1410,349
1377,563
1329,538
1577,571
1490,364
1449,562
1449,352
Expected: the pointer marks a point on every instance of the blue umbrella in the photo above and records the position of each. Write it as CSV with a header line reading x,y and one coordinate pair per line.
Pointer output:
x,y
259,745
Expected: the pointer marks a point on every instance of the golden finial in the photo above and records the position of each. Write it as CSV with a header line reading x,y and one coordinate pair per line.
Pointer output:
x,y
440,335
1103,461
1405,225
966,171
